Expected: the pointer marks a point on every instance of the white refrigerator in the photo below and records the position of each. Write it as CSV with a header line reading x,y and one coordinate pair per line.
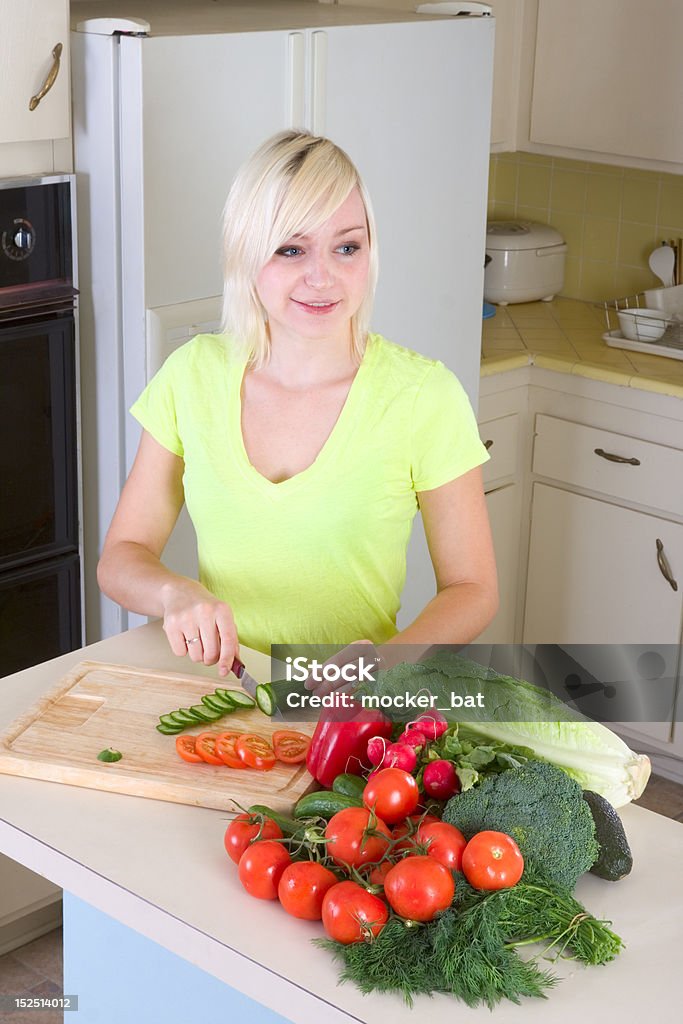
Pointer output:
x,y
161,123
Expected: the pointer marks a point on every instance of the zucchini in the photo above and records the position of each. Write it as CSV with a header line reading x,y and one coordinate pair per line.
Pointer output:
x,y
614,859
272,697
323,804
288,826
350,785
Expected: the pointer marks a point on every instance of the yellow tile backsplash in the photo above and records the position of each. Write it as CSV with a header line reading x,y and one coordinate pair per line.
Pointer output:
x,y
611,217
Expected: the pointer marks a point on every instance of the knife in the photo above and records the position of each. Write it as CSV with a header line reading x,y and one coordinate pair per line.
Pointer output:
x,y
248,682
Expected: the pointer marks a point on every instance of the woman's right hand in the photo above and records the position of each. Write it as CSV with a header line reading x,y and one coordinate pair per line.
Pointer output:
x,y
197,624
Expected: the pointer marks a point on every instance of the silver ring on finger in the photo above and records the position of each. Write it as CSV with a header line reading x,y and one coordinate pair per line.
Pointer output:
x,y
192,640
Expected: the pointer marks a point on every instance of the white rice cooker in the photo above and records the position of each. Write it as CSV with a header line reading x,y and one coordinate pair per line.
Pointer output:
x,y
527,262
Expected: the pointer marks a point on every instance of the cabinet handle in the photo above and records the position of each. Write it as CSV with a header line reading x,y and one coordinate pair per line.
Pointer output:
x,y
664,566
488,444
50,80
611,457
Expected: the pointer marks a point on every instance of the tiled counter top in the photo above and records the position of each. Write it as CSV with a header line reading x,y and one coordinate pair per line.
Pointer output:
x,y
566,335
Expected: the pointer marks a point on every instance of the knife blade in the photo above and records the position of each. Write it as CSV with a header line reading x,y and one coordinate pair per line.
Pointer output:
x,y
247,681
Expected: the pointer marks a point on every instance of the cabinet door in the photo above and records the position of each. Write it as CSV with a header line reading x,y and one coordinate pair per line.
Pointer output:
x,y
508,15
608,77
31,29
503,508
594,576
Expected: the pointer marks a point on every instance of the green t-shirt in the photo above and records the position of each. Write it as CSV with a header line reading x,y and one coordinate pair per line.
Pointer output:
x,y
319,558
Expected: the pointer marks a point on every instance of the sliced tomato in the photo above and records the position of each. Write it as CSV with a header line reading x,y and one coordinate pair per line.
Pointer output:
x,y
226,749
255,752
290,747
185,745
205,746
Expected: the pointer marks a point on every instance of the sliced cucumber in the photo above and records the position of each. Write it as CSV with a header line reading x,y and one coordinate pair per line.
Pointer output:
x,y
169,721
238,698
272,697
169,730
205,714
180,718
210,700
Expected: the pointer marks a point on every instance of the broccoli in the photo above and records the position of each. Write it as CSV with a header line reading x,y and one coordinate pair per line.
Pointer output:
x,y
542,808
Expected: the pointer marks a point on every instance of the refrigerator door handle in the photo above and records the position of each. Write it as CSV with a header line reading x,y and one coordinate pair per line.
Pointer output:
x,y
296,108
319,83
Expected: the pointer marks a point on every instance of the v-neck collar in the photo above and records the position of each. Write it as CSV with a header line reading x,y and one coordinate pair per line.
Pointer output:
x,y
335,441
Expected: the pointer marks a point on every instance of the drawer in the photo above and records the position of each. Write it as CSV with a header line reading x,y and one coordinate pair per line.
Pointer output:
x,y
651,474
501,438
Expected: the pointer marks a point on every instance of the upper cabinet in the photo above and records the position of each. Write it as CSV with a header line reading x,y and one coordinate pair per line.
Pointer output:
x,y
506,73
608,78
34,70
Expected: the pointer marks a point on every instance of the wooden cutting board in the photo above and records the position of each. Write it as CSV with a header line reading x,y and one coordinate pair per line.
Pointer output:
x,y
99,705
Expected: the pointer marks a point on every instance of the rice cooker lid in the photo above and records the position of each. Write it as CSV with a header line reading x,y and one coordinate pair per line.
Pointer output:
x,y
521,234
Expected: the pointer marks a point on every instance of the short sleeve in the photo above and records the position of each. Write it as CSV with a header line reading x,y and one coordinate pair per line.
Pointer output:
x,y
445,441
156,408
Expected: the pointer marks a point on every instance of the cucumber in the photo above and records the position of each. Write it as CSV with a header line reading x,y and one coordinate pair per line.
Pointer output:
x,y
169,721
614,859
350,785
205,714
237,698
288,826
272,697
323,804
216,703
169,730
180,717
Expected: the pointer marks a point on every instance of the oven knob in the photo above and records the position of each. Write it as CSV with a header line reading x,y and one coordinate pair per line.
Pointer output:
x,y
19,241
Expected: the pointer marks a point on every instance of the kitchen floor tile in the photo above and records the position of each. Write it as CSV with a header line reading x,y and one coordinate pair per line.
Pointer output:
x,y
44,956
16,976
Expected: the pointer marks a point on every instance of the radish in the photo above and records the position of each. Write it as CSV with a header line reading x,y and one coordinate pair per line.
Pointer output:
x,y
440,779
400,755
413,738
432,724
377,747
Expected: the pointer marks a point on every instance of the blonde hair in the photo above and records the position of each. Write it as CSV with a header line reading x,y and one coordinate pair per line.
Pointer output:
x,y
291,185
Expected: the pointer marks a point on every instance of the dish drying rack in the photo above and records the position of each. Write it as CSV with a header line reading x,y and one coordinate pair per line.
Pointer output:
x,y
670,344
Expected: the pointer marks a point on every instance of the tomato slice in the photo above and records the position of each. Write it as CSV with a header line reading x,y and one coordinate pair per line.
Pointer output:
x,y
185,745
290,747
256,752
205,746
225,749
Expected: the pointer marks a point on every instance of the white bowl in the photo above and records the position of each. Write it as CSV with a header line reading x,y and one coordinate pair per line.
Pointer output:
x,y
642,324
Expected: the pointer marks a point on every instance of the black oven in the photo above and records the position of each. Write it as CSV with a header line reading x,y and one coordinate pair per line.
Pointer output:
x,y
40,578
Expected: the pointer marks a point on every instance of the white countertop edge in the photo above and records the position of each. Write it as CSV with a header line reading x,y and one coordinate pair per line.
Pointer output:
x,y
250,978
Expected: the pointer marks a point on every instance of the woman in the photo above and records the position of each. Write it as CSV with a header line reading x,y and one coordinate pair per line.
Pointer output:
x,y
302,443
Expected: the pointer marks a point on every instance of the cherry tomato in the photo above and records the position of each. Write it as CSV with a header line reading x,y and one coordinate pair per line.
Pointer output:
x,y
205,746
492,860
255,752
393,795
185,745
302,889
348,841
419,887
226,749
261,867
408,828
445,843
243,829
290,747
351,914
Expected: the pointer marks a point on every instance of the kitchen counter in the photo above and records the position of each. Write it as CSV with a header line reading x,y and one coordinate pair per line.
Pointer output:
x,y
160,870
566,335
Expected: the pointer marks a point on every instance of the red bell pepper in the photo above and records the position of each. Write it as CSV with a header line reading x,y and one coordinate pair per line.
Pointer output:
x,y
340,744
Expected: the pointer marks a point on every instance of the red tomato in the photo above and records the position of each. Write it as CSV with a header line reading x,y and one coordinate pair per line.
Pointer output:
x,y
243,829
393,795
302,889
352,914
445,843
419,887
348,841
205,746
185,745
226,749
410,827
261,867
255,752
290,747
492,860
380,872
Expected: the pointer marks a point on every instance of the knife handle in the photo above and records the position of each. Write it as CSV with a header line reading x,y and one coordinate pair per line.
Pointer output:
x,y
237,668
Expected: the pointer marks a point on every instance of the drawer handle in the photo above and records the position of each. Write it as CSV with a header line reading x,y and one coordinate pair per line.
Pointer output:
x,y
50,80
611,457
488,444
664,565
